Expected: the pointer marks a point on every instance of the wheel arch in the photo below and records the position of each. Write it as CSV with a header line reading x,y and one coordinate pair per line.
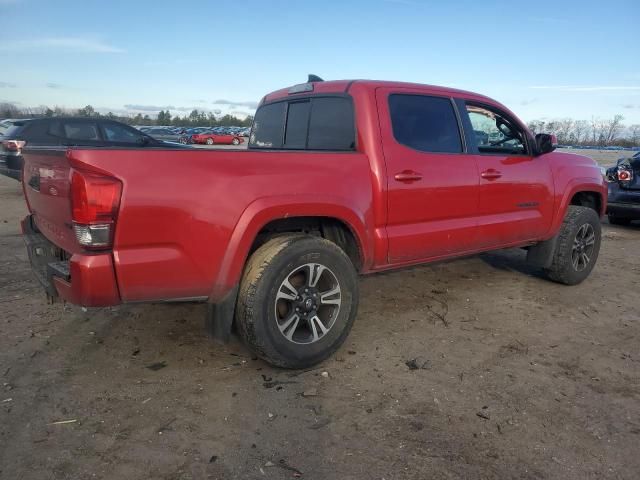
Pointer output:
x,y
582,192
267,217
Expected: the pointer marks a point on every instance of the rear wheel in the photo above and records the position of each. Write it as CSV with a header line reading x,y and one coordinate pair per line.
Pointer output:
x,y
577,246
235,141
613,220
209,141
298,299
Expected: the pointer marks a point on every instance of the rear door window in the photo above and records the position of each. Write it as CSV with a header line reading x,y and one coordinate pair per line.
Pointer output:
x,y
425,123
81,131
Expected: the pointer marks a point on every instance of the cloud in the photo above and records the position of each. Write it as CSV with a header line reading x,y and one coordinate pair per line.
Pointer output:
x,y
54,86
630,106
157,108
7,84
236,104
148,108
63,44
586,88
239,114
528,101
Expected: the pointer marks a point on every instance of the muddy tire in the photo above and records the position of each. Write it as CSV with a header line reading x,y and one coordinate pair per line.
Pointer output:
x,y
613,220
297,301
577,246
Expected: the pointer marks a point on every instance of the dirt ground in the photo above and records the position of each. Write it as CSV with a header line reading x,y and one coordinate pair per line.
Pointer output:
x,y
516,378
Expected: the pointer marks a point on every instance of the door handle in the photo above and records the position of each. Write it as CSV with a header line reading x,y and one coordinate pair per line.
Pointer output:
x,y
491,174
408,176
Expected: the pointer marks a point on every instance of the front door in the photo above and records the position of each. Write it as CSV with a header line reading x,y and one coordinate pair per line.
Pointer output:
x,y
516,196
432,185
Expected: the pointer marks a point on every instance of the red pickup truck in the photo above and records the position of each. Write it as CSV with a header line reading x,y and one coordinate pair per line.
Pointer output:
x,y
339,178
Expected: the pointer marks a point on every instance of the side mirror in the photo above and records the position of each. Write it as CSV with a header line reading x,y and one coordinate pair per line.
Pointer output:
x,y
546,143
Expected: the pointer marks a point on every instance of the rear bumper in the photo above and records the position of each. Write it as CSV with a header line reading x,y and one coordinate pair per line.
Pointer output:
x,y
87,280
627,210
623,202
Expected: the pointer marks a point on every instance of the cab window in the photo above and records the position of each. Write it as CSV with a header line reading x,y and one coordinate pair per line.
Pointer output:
x,y
494,132
425,123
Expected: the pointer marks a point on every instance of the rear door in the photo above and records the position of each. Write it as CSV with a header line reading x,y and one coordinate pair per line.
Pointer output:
x,y
432,184
516,188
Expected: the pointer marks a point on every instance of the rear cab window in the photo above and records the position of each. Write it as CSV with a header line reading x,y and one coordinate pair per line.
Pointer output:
x,y
311,123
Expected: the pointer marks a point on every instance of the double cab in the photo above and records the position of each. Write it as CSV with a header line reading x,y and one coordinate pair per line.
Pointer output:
x,y
340,178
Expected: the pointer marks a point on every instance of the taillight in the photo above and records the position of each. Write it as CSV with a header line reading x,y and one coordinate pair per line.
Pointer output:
x,y
624,175
13,145
95,200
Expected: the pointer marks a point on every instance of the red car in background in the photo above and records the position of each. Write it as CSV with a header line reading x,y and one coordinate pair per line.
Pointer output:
x,y
217,138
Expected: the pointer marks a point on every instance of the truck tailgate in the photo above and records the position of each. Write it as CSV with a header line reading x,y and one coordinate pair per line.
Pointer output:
x,y
46,182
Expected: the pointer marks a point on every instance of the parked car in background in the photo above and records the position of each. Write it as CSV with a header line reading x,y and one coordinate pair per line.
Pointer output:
x,y
624,191
5,123
340,178
164,134
65,132
217,138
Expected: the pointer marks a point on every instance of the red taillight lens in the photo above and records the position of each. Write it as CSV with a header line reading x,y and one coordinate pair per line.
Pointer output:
x,y
95,200
624,175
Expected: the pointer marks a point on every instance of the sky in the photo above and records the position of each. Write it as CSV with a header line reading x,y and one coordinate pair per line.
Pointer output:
x,y
542,59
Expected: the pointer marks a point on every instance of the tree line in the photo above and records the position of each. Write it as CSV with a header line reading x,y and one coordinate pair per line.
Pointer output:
x,y
595,132
196,118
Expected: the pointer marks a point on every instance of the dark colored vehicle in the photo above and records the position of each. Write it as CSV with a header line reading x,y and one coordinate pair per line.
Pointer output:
x,y
340,178
65,132
164,134
624,191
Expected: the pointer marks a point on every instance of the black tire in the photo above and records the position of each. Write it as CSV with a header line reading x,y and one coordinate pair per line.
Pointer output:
x,y
235,141
613,220
563,268
262,281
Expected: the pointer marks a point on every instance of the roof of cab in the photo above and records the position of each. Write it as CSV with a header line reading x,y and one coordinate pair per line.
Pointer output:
x,y
343,86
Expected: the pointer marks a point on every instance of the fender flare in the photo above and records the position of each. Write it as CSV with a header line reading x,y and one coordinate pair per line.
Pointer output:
x,y
265,210
576,185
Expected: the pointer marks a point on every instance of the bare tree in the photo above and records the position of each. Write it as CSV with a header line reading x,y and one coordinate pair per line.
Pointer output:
x,y
634,134
612,129
580,131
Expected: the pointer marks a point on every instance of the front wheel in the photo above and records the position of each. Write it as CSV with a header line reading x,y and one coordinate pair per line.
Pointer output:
x,y
298,299
577,247
209,141
235,141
